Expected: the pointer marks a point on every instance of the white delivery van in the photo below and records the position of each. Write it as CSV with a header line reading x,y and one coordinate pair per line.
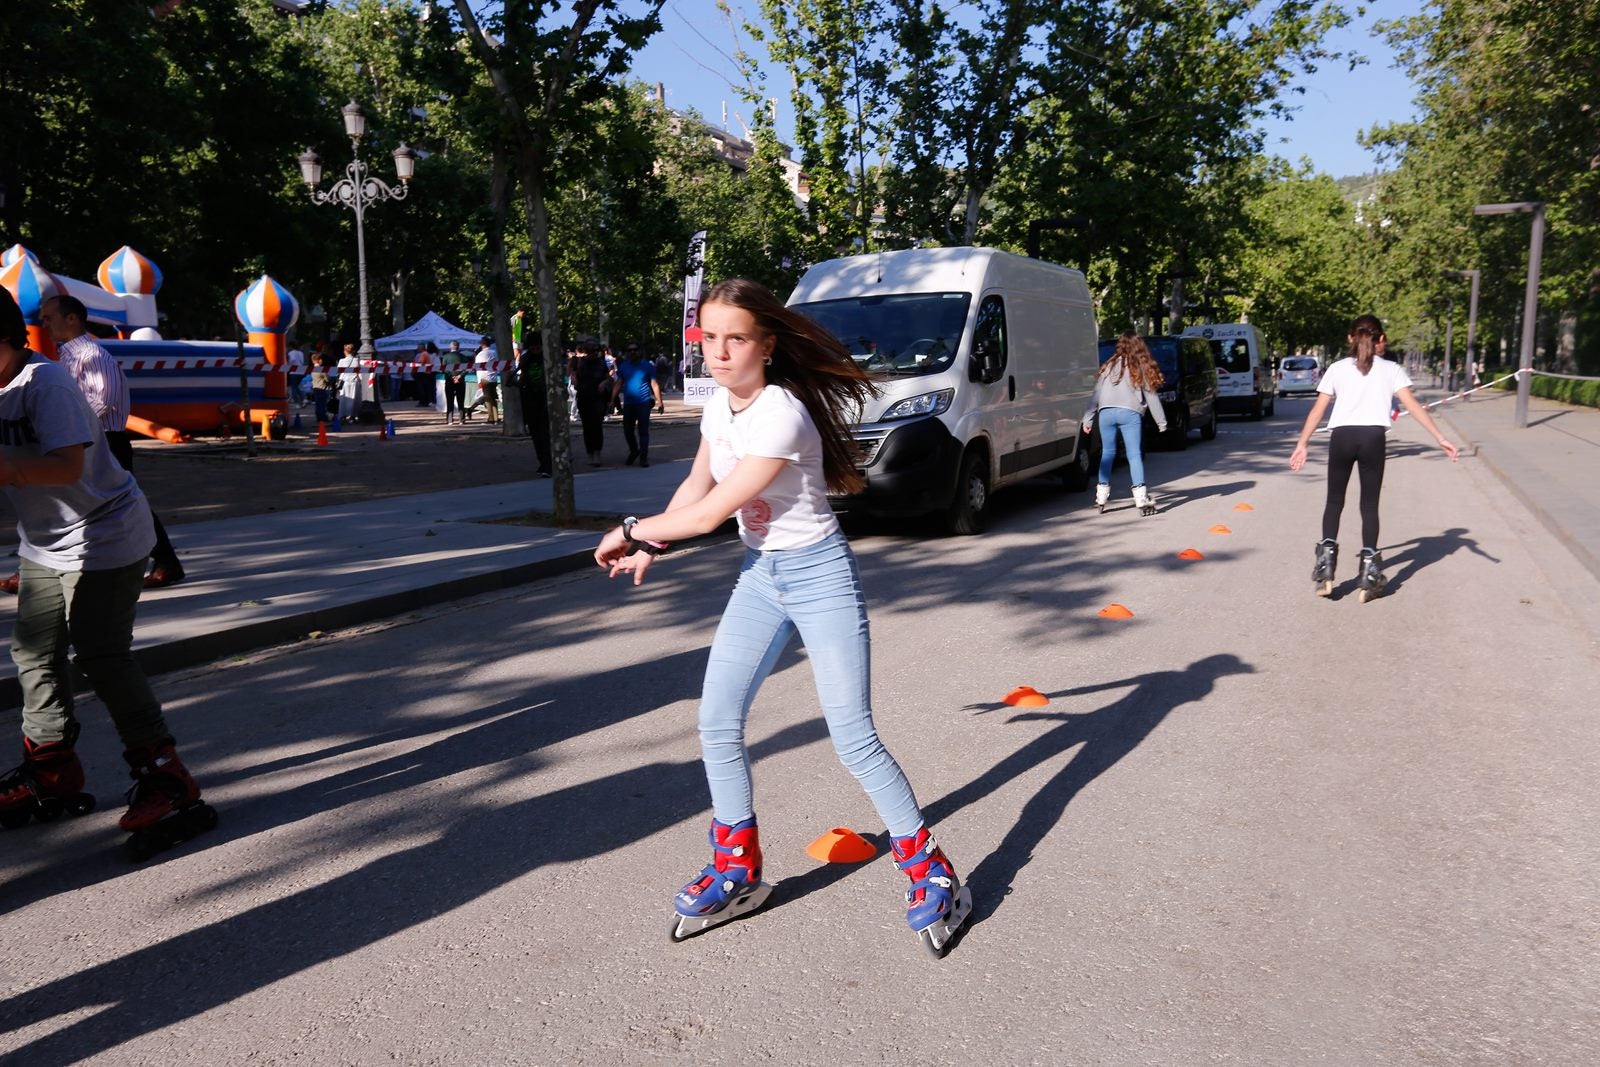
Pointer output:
x,y
1244,378
985,361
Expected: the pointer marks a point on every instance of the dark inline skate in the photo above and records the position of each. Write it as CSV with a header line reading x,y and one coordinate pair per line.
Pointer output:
x,y
1372,579
937,904
730,885
1327,562
164,805
48,782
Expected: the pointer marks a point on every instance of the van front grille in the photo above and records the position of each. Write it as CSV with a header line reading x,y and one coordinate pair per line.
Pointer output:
x,y
868,442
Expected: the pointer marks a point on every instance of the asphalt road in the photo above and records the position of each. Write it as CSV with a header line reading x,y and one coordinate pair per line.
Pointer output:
x,y
1250,827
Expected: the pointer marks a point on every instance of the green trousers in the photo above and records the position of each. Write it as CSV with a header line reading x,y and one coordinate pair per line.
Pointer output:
x,y
92,612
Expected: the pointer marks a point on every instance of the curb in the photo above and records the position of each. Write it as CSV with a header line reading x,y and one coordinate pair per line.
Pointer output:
x,y
1579,551
203,648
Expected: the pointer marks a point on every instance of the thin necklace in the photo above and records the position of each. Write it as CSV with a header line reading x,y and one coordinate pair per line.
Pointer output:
x,y
739,411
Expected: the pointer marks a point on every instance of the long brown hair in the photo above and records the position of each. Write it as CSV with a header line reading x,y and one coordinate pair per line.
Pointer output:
x,y
1364,334
1133,358
809,362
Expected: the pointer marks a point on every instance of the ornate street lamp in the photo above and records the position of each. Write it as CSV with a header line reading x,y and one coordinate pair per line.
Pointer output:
x,y
357,191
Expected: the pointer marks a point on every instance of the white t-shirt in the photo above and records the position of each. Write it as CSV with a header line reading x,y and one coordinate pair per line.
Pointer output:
x,y
1362,399
100,521
793,511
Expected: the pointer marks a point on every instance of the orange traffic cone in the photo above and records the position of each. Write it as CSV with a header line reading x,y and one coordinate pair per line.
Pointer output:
x,y
1219,529
1243,507
841,845
1025,696
1191,553
1115,611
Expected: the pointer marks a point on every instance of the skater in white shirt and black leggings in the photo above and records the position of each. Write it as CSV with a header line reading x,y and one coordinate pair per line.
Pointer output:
x,y
1360,388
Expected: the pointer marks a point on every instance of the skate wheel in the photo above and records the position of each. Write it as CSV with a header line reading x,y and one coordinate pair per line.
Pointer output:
x,y
82,804
676,934
16,818
47,811
1324,589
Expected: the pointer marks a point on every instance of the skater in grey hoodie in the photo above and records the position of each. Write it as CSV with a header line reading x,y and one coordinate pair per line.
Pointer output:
x,y
1127,384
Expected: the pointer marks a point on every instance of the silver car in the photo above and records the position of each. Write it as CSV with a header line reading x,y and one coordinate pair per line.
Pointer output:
x,y
1298,374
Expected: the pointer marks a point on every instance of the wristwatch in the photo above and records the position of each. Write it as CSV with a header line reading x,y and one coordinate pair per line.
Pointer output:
x,y
654,548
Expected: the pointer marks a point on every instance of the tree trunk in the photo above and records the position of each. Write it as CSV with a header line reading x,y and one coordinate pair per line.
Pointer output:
x,y
562,493
499,277
969,230
397,297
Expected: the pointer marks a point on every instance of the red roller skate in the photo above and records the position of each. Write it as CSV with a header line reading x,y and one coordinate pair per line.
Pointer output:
x,y
48,782
937,904
164,805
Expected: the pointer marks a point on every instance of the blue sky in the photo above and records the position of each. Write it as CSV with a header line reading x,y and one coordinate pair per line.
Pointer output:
x,y
1337,105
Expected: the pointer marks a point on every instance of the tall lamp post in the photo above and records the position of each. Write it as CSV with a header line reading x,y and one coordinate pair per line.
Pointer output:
x,y
1530,300
1474,276
357,191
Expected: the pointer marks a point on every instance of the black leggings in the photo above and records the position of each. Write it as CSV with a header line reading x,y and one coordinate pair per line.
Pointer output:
x,y
1354,446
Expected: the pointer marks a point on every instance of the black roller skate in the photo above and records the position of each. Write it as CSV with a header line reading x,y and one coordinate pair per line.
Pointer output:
x,y
937,904
164,805
1372,579
1327,562
730,885
48,782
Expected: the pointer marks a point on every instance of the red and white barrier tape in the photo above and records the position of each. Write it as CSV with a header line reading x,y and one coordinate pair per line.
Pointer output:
x,y
387,366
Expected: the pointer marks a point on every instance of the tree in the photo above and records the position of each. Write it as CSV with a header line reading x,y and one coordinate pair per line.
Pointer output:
x,y
549,77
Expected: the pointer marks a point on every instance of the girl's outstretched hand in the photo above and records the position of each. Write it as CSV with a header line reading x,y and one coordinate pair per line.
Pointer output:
x,y
1449,448
1297,458
635,564
613,546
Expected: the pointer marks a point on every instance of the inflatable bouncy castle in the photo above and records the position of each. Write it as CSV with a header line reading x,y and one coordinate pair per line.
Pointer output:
x,y
190,386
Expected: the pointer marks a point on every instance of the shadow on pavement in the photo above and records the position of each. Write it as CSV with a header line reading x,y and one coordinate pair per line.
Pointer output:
x,y
1107,735
1420,552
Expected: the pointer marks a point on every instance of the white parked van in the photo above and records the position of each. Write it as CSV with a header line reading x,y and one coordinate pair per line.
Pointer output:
x,y
985,361
1244,378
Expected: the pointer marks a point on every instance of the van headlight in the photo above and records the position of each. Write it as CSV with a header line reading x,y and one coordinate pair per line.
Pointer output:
x,y
926,404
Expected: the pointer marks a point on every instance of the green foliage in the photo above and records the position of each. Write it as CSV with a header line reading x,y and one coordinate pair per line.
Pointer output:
x,y
1586,394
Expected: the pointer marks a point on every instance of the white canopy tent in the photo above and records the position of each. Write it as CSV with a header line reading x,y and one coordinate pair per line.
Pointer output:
x,y
431,327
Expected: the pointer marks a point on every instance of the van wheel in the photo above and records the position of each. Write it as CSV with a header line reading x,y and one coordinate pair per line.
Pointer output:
x,y
1075,475
1255,407
1208,432
1180,432
1272,407
970,507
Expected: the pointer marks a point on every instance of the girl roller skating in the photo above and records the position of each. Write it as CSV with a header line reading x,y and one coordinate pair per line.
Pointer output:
x,y
1127,384
1360,388
86,535
774,440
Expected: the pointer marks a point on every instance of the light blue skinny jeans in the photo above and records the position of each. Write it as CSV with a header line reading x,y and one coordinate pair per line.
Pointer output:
x,y
1130,424
815,591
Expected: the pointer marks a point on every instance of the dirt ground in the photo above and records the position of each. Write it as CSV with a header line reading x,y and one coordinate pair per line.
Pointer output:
x,y
211,478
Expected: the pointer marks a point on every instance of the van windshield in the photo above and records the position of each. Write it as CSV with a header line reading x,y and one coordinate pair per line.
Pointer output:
x,y
901,335
1232,356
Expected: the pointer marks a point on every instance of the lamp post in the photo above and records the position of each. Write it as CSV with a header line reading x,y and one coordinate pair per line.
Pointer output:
x,y
1530,300
1470,360
357,191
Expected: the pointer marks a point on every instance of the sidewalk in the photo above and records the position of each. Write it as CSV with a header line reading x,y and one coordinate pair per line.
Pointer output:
x,y
265,579
1552,466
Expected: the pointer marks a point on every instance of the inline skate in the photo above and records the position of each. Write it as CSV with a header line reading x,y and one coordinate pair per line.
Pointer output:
x,y
164,805
1372,579
728,887
937,904
1327,561
49,781
1102,496
1143,500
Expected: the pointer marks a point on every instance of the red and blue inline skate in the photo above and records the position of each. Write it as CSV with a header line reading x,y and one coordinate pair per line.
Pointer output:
x,y
730,885
937,904
49,781
164,805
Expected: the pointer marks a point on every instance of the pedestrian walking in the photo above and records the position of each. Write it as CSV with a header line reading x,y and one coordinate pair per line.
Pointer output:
x,y
639,393
535,404
105,386
427,359
321,381
454,365
350,385
86,535
775,438
1360,388
592,382
488,383
1128,383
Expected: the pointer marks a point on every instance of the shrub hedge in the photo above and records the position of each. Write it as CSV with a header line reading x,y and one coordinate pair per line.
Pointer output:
x,y
1562,389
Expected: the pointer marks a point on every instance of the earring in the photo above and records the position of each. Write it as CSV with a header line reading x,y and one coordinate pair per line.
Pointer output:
x,y
767,361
